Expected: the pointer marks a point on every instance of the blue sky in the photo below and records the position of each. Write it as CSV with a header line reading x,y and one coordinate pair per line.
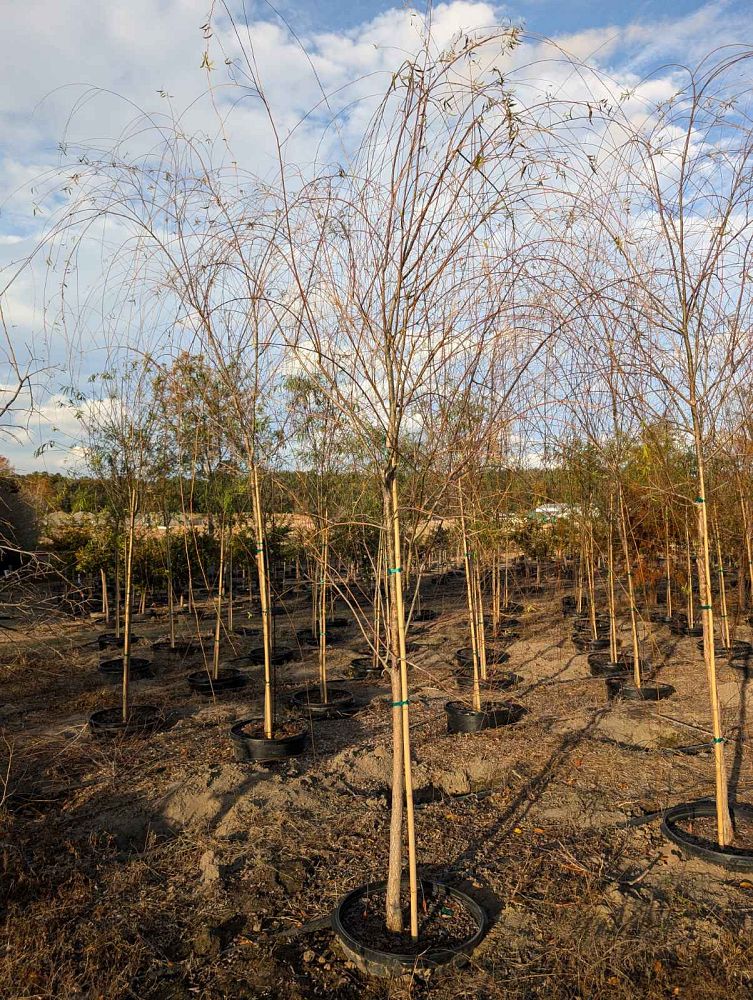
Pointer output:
x,y
56,50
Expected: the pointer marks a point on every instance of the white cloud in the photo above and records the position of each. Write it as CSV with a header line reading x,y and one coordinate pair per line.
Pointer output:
x,y
56,51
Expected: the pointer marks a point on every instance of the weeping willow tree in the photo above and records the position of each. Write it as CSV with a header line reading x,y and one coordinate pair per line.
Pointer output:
x,y
417,271
118,422
676,270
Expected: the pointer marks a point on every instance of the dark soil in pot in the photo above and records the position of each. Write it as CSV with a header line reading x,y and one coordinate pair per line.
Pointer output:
x,y
512,608
691,826
569,606
493,656
500,680
140,669
739,650
617,687
142,720
600,665
451,925
182,647
364,668
461,718
425,615
505,636
507,622
250,631
229,679
339,622
108,640
588,645
660,617
250,744
694,632
283,654
310,700
583,623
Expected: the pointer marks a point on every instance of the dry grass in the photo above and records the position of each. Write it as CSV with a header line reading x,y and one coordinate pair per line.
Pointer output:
x,y
106,893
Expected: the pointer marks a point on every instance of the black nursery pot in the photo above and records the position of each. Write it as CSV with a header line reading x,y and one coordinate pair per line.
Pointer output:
x,y
493,715
280,655
140,669
250,744
182,647
363,668
375,961
590,645
108,640
493,656
501,680
142,720
340,622
247,630
660,617
600,665
694,632
425,615
229,679
512,608
583,623
739,650
309,700
620,687
730,857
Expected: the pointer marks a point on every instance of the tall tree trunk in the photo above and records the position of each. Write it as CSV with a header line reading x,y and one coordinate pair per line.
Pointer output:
x,y
218,610
631,591
133,499
472,619
401,709
725,832
610,569
668,565
105,598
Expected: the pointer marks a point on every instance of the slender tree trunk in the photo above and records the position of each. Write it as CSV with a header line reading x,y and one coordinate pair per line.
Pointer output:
x,y
480,628
117,589
133,498
401,711
748,542
668,564
105,598
631,591
591,581
261,569
230,610
610,569
218,612
725,832
323,616
689,571
472,621
722,593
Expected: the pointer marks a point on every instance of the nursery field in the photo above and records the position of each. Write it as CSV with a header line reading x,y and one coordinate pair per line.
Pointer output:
x,y
161,866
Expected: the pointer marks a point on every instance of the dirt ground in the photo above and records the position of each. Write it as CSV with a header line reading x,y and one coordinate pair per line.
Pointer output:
x,y
163,868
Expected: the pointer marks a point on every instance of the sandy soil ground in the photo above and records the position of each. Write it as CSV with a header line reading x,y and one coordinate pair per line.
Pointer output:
x,y
164,868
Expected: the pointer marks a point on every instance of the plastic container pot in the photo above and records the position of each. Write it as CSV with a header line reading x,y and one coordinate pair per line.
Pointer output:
x,y
493,715
139,669
249,745
618,687
143,720
731,858
229,679
339,700
374,961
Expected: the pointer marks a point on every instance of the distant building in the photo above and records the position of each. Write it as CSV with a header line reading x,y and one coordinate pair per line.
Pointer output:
x,y
548,513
